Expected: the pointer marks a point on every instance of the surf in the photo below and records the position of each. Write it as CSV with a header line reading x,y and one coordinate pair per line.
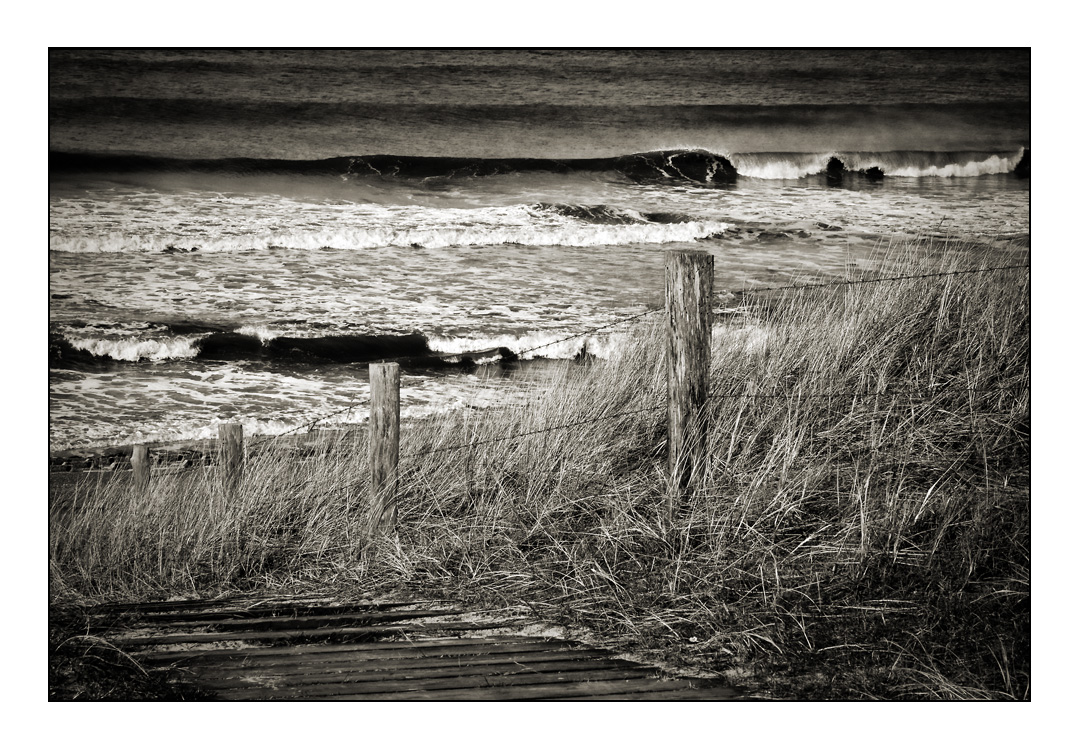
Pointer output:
x,y
694,166
369,228
259,343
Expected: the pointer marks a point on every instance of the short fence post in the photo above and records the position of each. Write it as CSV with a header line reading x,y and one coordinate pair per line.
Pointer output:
x,y
689,354
385,436
231,452
140,466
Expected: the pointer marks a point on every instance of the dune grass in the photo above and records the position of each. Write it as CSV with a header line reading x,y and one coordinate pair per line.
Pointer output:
x,y
862,529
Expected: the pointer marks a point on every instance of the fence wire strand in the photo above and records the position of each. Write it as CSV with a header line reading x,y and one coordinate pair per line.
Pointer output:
x,y
912,277
923,395
305,426
714,394
515,436
638,316
589,331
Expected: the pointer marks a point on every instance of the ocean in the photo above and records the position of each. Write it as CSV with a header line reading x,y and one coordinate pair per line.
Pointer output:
x,y
235,234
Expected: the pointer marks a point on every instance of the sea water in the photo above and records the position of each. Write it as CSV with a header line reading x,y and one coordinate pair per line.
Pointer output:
x,y
235,234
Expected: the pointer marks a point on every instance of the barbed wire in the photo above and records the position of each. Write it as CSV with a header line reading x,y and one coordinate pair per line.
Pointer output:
x,y
923,395
638,316
885,279
926,394
589,331
515,436
311,423
934,392
305,425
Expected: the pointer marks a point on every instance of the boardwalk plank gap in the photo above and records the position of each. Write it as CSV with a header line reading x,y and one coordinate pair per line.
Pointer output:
x,y
314,648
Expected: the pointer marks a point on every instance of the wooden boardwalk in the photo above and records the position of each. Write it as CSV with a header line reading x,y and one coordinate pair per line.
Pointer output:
x,y
322,649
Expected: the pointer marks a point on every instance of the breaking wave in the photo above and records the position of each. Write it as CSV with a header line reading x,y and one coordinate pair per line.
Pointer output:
x,y
136,349
680,165
260,343
794,166
694,165
544,225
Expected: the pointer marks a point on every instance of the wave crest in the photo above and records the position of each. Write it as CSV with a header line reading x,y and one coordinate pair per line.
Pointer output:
x,y
135,349
683,165
695,165
257,342
794,166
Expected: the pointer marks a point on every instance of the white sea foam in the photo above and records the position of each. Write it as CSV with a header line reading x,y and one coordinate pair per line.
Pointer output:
x,y
930,164
365,238
134,349
994,164
265,404
780,166
547,344
793,166
263,333
474,297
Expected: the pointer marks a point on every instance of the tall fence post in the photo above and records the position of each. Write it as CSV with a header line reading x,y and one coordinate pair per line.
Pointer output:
x,y
385,436
231,449
689,284
140,466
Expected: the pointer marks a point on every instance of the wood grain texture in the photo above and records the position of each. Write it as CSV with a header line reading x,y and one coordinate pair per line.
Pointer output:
x,y
689,283
311,650
385,427
287,633
140,466
298,670
231,444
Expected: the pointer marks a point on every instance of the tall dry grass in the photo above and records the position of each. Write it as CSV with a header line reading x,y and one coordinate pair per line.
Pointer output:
x,y
862,530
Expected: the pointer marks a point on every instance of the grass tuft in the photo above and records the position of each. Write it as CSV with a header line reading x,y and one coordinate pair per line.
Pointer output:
x,y
862,530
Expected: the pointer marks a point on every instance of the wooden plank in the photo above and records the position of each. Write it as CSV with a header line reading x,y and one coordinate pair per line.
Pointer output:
x,y
210,607
701,694
689,282
281,611
231,622
344,665
299,664
134,607
384,444
374,650
408,667
581,690
322,674
314,633
476,683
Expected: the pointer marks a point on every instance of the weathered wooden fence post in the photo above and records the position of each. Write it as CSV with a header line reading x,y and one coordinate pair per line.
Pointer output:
x,y
689,355
231,452
140,466
385,436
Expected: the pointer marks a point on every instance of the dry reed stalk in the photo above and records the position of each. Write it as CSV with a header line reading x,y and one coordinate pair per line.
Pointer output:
x,y
866,513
